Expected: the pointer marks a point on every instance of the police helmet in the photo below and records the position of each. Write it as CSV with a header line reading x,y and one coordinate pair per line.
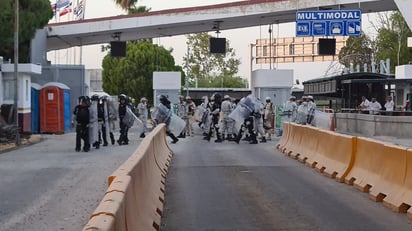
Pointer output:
x,y
82,99
267,99
104,98
122,97
95,97
226,97
162,98
188,98
143,99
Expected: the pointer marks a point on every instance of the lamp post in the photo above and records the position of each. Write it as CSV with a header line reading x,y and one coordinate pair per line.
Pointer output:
x,y
16,71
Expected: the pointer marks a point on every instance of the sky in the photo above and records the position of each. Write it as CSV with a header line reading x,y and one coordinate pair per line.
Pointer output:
x,y
239,39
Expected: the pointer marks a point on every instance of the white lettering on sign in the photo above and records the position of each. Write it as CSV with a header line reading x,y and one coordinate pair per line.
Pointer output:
x,y
328,15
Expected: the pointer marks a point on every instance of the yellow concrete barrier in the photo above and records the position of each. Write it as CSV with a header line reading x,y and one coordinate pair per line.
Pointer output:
x,y
137,203
335,154
296,133
367,166
392,171
285,135
114,205
401,200
101,223
163,153
308,145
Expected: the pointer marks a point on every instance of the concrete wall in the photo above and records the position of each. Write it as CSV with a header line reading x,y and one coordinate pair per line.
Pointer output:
x,y
374,125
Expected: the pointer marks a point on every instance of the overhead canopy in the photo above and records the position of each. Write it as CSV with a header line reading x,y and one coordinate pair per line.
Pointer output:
x,y
182,21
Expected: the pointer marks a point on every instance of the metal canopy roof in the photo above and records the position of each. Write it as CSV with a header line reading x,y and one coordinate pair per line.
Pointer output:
x,y
194,20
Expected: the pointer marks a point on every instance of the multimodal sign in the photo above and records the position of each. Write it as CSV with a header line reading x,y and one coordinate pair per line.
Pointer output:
x,y
329,23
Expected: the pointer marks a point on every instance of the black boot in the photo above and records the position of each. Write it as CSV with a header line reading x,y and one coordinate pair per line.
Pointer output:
x,y
263,140
218,137
112,138
174,138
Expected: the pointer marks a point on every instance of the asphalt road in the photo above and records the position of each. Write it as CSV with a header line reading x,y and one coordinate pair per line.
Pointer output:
x,y
49,186
231,186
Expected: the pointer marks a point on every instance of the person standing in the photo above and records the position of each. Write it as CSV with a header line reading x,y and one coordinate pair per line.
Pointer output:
x,y
364,106
258,121
102,118
182,113
143,113
112,117
227,122
94,122
389,105
81,112
268,117
215,107
374,107
302,116
163,114
190,109
311,110
123,104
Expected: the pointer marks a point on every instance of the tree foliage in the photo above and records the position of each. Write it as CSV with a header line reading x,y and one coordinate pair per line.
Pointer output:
x,y
33,14
391,41
133,74
210,68
358,51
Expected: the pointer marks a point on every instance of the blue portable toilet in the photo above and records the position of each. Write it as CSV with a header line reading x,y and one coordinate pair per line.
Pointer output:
x,y
35,108
55,111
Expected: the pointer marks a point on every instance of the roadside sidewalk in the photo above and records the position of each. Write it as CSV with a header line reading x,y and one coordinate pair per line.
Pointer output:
x,y
4,147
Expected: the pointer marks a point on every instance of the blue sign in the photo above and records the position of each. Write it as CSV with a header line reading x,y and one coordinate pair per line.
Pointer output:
x,y
328,23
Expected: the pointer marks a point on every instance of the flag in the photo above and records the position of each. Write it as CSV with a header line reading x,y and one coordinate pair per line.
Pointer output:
x,y
61,4
79,10
65,10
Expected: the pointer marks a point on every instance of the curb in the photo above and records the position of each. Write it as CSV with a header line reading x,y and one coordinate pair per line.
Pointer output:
x,y
11,146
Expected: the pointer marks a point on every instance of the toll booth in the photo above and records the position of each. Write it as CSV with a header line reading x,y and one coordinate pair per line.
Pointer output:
x,y
168,84
55,112
35,108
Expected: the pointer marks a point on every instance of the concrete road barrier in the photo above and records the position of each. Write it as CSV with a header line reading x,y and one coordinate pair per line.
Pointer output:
x,y
335,154
365,171
101,222
114,205
392,172
135,195
309,144
401,200
293,144
285,135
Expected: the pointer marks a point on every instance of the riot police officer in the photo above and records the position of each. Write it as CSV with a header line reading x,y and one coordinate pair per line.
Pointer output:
x,y
81,112
215,106
123,104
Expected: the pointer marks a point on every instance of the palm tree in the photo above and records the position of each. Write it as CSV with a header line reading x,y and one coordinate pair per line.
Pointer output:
x,y
126,4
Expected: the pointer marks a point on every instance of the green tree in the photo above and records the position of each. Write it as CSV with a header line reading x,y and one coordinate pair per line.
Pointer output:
x,y
391,41
358,51
206,67
33,14
133,74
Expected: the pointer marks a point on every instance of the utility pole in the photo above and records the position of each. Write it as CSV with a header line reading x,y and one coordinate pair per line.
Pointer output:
x,y
187,71
16,71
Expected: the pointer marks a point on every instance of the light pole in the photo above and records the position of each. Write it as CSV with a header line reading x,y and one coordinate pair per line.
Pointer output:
x,y
187,71
16,71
